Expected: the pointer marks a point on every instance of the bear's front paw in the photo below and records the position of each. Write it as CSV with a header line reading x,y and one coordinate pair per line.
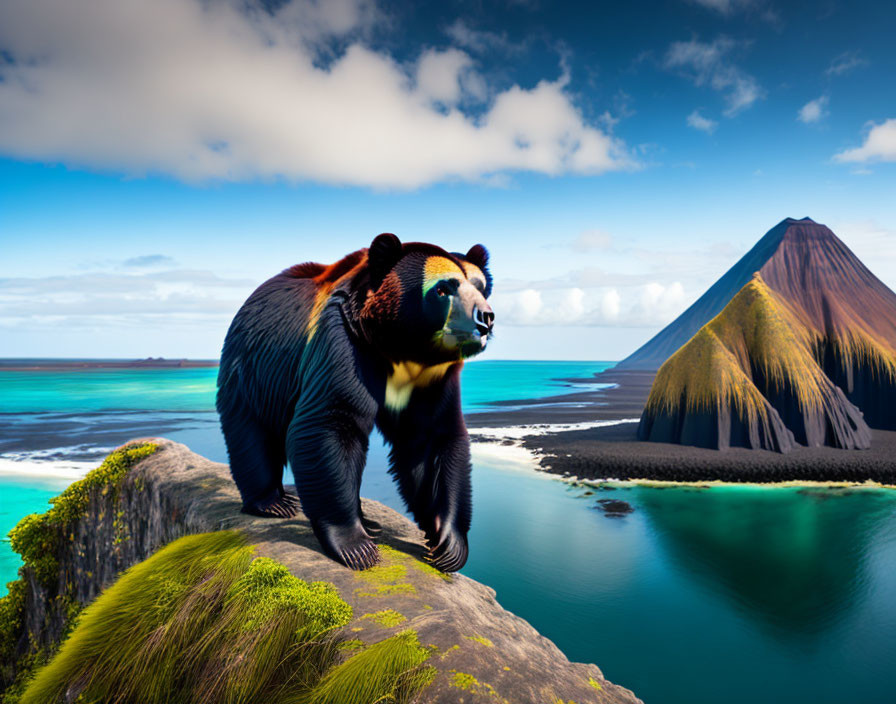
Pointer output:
x,y
350,545
277,505
449,552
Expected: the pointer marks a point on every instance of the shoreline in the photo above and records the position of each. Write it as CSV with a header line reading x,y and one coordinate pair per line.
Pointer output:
x,y
593,436
583,436
58,365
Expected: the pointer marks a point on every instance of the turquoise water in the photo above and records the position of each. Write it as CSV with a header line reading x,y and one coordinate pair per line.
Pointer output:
x,y
725,595
84,390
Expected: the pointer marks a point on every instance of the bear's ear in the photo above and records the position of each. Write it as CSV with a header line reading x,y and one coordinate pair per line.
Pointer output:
x,y
383,254
478,255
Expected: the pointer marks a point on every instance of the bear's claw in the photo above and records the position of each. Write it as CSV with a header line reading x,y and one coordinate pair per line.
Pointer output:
x,y
277,506
351,545
449,555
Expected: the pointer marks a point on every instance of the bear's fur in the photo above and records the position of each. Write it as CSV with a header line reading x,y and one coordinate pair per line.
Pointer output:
x,y
319,354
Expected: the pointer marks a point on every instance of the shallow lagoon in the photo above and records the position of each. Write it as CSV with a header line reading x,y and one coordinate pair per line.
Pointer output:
x,y
700,596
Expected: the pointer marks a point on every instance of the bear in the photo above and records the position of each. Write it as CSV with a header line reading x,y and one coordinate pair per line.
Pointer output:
x,y
318,355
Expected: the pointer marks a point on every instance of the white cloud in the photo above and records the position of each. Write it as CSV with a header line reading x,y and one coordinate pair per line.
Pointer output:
x,y
846,62
100,294
439,74
211,91
609,304
480,41
880,145
643,305
590,240
814,110
709,64
699,122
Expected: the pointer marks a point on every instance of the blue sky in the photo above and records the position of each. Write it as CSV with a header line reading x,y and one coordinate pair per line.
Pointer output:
x,y
159,160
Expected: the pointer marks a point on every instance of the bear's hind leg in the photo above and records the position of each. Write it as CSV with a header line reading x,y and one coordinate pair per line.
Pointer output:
x,y
256,463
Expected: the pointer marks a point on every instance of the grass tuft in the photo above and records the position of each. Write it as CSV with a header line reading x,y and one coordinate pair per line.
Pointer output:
x,y
389,671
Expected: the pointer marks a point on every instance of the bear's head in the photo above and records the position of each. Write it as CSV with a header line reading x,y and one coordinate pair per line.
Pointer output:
x,y
424,304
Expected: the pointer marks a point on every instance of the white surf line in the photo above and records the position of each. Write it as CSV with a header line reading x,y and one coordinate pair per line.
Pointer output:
x,y
518,432
511,455
42,463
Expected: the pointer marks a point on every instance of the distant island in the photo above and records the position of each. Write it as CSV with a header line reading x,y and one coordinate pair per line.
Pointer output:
x,y
42,365
784,370
803,353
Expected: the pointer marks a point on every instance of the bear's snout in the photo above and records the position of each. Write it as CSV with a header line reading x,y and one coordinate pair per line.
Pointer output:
x,y
483,318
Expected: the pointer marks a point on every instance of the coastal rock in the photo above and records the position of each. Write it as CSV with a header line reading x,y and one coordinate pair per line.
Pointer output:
x,y
480,652
750,378
848,314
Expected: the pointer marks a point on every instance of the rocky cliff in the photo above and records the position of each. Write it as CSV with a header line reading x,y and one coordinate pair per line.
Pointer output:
x,y
247,600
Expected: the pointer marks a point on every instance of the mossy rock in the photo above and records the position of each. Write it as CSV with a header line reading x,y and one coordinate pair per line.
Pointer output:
x,y
204,620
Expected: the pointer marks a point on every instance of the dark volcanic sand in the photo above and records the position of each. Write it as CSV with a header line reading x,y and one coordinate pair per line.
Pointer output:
x,y
615,453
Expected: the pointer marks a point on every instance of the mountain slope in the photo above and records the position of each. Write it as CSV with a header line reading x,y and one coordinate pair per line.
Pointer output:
x,y
750,378
848,312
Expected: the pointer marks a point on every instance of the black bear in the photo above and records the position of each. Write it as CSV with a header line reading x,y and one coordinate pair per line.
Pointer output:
x,y
319,354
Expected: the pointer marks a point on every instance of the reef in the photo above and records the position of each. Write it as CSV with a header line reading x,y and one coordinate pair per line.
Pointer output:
x,y
144,583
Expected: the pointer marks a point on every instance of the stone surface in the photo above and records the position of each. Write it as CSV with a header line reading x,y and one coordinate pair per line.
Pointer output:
x,y
485,653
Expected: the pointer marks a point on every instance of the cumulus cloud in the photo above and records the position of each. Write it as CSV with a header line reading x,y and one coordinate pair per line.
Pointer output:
x,y
229,91
440,73
647,304
847,62
710,64
813,111
879,145
699,122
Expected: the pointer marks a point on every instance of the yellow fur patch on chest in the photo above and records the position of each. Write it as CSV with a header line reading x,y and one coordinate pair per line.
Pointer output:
x,y
407,376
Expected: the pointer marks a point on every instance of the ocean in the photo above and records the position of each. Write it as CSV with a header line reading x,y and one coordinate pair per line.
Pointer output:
x,y
728,594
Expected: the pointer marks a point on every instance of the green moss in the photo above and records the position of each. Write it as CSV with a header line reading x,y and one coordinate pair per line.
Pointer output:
x,y
269,588
464,680
390,575
37,537
388,618
482,640
468,683
404,558
386,578
12,611
389,671
353,644
450,650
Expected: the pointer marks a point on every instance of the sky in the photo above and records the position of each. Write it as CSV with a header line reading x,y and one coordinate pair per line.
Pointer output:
x,y
159,160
